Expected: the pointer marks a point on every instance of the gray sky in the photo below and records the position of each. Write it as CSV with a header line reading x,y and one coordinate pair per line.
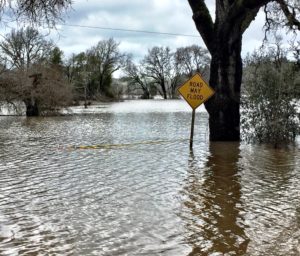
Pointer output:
x,y
172,16
167,16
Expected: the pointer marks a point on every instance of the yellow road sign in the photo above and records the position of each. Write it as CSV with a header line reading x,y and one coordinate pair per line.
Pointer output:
x,y
195,91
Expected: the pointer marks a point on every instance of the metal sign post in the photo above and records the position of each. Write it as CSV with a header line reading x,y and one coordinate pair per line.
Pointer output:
x,y
195,91
192,129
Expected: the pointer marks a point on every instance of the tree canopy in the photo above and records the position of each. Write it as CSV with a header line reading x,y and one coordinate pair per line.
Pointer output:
x,y
25,47
242,13
38,12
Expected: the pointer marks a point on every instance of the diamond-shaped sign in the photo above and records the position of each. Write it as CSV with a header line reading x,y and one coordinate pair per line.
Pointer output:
x,y
195,91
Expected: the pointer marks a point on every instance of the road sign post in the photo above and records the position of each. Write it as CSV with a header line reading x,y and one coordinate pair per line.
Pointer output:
x,y
195,91
192,129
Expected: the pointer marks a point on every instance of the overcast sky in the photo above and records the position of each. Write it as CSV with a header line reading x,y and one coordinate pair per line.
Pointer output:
x,y
171,16
167,16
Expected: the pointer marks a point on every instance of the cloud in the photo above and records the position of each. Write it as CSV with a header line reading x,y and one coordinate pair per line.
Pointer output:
x,y
172,16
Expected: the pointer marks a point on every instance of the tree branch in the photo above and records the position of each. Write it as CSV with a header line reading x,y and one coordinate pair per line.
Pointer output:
x,y
245,11
291,16
203,21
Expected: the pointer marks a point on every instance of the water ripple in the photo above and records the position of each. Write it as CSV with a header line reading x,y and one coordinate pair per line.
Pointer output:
x,y
143,199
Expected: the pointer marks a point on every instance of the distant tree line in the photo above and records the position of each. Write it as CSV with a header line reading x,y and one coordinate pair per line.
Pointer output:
x,y
161,70
35,72
221,35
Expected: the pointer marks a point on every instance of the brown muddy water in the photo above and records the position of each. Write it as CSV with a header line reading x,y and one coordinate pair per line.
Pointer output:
x,y
141,191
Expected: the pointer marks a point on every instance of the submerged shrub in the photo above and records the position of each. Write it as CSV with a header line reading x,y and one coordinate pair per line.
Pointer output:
x,y
270,98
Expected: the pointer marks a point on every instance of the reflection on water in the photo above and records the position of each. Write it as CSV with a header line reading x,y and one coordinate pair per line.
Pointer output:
x,y
213,203
271,195
144,199
243,200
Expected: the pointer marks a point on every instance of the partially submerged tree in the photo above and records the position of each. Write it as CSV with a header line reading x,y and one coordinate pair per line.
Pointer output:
x,y
8,92
34,12
43,90
136,78
30,71
50,89
223,38
269,97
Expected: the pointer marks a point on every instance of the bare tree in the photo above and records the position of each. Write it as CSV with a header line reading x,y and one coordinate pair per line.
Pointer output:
x,y
175,78
49,88
137,79
157,64
25,47
192,59
34,12
37,12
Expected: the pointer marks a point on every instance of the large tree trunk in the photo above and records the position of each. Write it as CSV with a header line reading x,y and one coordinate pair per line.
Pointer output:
x,y
164,91
32,103
32,108
146,94
223,38
226,78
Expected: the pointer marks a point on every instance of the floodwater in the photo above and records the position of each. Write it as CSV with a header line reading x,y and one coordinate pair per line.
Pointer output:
x,y
139,190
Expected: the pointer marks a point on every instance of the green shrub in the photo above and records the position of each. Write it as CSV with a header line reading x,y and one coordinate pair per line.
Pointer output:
x,y
270,98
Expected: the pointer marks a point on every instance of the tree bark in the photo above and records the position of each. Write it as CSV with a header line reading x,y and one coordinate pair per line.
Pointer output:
x,y
31,103
32,108
226,79
146,95
223,38
164,91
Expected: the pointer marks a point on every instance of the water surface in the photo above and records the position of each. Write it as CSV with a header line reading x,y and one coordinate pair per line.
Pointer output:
x,y
141,191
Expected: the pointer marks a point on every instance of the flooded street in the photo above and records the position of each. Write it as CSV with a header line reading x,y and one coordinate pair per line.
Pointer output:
x,y
140,191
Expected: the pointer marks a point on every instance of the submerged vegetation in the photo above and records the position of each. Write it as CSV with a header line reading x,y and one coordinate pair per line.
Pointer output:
x,y
90,73
35,72
271,93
